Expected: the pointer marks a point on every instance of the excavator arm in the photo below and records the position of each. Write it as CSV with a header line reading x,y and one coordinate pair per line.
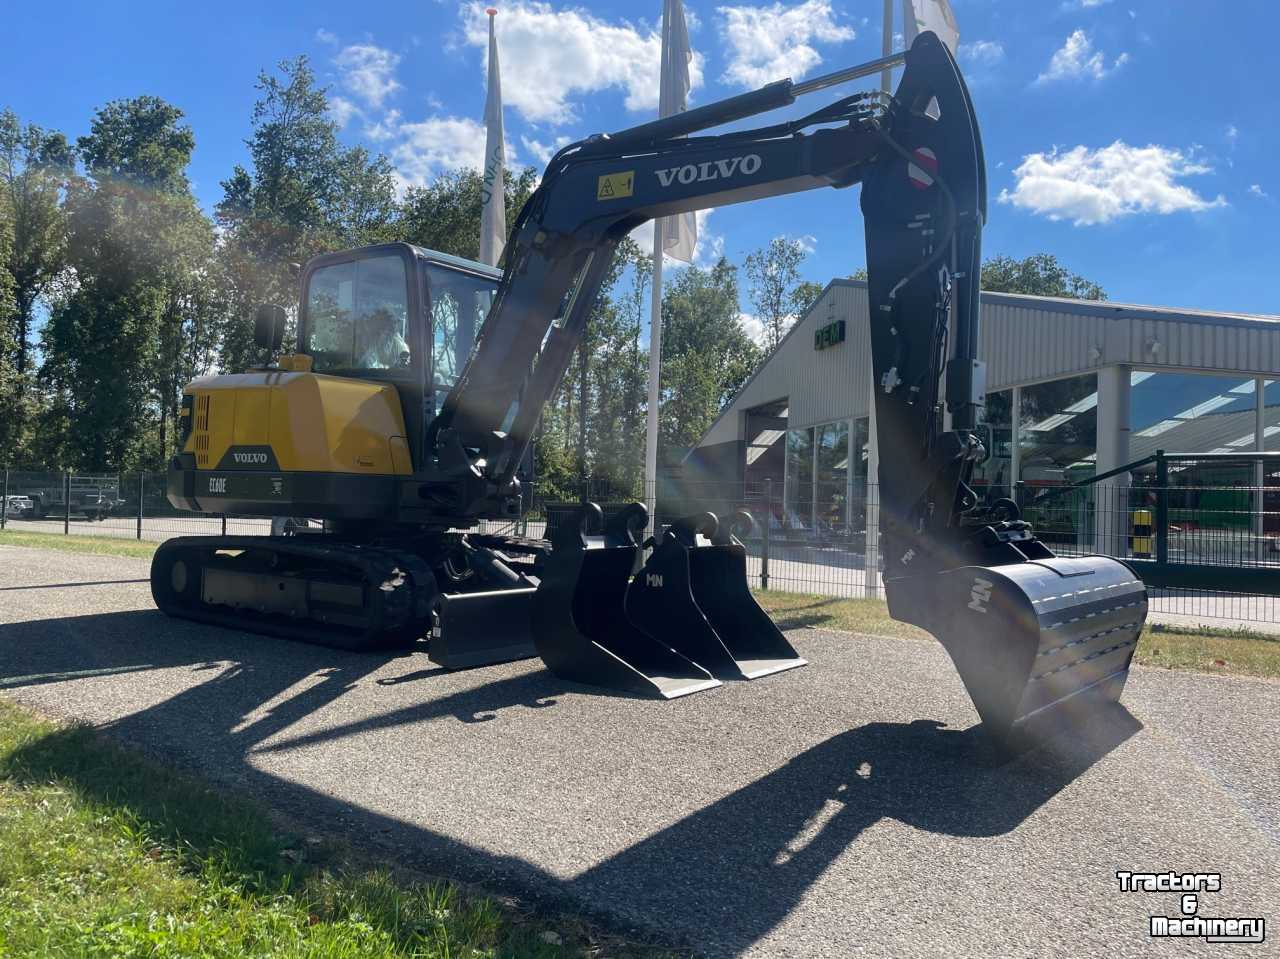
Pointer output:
x,y
1034,637
596,191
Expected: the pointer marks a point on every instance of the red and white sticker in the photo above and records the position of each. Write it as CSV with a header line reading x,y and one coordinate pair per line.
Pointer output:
x,y
923,170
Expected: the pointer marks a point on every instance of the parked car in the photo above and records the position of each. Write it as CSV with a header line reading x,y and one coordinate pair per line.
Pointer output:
x,y
18,506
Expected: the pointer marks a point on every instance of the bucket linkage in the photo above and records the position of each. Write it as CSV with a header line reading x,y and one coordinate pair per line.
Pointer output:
x,y
682,623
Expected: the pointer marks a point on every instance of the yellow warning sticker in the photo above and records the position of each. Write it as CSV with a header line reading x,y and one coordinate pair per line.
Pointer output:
x,y
614,186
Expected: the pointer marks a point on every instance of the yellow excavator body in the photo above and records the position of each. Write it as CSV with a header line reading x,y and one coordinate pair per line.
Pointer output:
x,y
264,442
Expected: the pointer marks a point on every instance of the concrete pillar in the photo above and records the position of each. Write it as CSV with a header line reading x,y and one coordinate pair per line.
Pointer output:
x,y
1015,442
1111,499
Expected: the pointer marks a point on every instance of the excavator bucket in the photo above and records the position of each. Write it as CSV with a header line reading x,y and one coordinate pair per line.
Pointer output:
x,y
580,628
1039,645
693,592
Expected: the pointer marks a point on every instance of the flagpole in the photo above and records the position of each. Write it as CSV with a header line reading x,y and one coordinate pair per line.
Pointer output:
x,y
886,47
655,362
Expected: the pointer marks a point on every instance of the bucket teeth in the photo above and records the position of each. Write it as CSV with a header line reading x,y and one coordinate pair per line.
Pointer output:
x,y
681,624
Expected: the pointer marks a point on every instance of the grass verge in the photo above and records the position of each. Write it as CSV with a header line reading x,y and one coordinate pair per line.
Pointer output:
x,y
101,545
105,853
1228,652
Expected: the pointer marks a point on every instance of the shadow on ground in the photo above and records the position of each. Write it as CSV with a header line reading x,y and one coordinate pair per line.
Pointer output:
x,y
752,854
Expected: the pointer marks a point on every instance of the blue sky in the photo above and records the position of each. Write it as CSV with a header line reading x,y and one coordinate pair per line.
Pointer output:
x,y
1135,139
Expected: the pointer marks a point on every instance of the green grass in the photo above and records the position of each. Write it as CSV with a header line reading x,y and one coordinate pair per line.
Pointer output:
x,y
106,854
75,543
1229,652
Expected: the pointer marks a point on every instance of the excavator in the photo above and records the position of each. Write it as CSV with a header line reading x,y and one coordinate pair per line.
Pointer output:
x,y
405,416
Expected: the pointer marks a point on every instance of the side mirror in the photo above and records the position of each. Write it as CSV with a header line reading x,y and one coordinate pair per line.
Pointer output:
x,y
268,326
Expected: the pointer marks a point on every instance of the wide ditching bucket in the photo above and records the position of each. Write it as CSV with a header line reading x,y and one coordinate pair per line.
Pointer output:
x,y
1040,644
693,592
580,627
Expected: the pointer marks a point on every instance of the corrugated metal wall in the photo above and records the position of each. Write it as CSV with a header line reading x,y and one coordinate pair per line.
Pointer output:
x,y
1024,339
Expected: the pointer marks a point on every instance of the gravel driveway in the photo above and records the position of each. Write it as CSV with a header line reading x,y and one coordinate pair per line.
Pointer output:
x,y
847,808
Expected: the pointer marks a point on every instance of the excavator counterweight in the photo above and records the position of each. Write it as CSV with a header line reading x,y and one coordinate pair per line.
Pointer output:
x,y
405,419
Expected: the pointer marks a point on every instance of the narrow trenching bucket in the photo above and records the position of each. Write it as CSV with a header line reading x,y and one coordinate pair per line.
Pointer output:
x,y
1039,645
580,627
693,592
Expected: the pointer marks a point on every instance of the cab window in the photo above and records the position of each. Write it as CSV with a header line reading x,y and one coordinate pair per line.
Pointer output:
x,y
459,304
357,316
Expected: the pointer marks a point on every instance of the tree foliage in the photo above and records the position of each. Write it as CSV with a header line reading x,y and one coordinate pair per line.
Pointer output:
x,y
775,289
35,167
1038,275
134,234
305,193
444,215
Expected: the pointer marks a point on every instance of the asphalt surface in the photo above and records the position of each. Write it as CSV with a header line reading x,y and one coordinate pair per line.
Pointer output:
x,y
846,808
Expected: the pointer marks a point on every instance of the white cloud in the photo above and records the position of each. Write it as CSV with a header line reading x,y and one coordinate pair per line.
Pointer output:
x,y
326,36
1256,190
1097,186
342,110
808,242
437,144
1077,59
1233,132
543,152
549,55
753,326
982,52
385,129
368,72
774,42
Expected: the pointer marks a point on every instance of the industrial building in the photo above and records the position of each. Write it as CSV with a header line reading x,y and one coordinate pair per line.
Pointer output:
x,y
1074,388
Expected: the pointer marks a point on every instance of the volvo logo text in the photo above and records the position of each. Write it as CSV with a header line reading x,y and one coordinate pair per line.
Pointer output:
x,y
710,170
249,458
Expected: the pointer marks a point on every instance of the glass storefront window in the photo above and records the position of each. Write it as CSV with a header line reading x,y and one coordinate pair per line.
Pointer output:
x,y
861,461
797,500
1058,431
831,485
1194,413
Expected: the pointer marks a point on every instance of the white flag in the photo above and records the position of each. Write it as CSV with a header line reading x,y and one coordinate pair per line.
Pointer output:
x,y
493,210
679,233
921,15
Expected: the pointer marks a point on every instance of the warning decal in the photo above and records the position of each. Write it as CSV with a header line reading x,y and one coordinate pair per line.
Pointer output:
x,y
925,166
614,186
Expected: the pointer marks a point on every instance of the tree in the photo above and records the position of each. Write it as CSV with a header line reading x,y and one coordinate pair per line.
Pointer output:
x,y
775,289
35,166
706,353
444,215
135,241
304,194
11,420
1038,275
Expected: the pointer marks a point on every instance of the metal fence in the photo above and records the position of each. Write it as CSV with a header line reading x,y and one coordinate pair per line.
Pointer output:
x,y
1210,553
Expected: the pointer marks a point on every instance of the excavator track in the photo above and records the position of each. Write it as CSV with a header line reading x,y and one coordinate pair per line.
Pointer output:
x,y
344,595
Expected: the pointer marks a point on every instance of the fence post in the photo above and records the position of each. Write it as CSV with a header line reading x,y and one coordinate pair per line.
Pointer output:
x,y
4,499
142,480
1162,508
764,536
66,504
